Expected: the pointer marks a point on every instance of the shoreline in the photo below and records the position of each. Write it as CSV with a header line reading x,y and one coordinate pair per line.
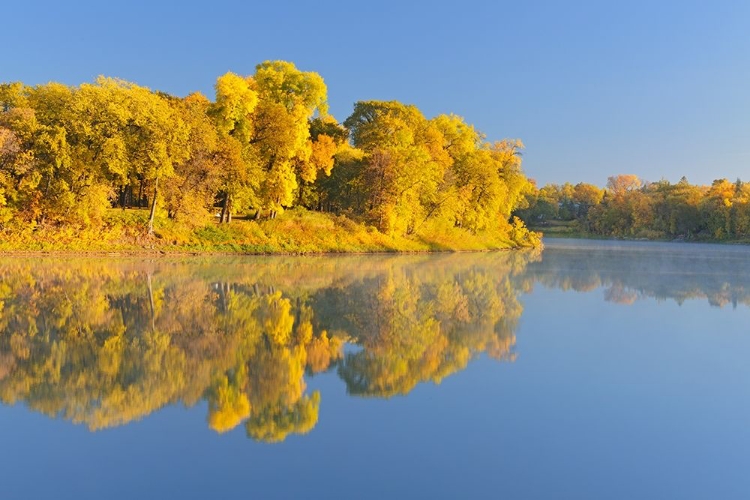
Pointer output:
x,y
295,232
218,253
582,236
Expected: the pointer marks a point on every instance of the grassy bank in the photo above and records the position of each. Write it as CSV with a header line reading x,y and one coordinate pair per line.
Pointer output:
x,y
294,232
572,229
561,229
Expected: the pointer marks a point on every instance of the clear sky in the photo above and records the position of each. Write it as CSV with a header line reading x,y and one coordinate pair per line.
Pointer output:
x,y
660,89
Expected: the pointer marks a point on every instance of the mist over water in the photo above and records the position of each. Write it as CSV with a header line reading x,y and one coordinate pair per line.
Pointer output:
x,y
719,273
596,369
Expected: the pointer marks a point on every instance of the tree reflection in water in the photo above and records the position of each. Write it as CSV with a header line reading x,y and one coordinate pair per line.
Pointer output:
x,y
629,271
103,342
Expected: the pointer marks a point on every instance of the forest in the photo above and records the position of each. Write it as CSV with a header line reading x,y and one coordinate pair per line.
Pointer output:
x,y
629,207
112,164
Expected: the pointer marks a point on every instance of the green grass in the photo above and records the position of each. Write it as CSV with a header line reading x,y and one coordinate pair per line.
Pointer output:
x,y
560,229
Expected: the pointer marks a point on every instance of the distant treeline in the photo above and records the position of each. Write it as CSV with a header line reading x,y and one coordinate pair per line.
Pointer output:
x,y
631,207
264,144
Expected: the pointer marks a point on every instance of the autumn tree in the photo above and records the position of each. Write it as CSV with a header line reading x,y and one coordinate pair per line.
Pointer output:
x,y
716,209
236,100
404,162
585,196
266,143
281,144
189,195
327,139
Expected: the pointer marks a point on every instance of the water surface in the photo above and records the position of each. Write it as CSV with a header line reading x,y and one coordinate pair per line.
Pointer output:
x,y
596,370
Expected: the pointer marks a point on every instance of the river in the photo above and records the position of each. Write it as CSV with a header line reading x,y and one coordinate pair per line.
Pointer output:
x,y
596,369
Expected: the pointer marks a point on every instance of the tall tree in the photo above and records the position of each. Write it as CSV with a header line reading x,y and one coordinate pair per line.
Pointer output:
x,y
404,163
236,100
288,99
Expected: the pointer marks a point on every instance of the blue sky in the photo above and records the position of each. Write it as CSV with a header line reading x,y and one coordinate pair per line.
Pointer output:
x,y
593,88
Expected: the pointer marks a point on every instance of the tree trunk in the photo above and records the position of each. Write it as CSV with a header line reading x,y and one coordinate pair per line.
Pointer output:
x,y
151,302
224,207
153,207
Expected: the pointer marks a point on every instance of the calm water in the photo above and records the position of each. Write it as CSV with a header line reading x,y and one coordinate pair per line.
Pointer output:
x,y
596,370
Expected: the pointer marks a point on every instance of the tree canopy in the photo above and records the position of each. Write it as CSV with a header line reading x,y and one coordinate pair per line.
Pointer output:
x,y
264,144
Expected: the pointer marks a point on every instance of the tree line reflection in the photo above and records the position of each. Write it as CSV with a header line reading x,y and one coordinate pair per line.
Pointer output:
x,y
104,342
628,271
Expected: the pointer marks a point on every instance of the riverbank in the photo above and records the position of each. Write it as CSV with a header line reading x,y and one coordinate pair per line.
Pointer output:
x,y
572,229
296,231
